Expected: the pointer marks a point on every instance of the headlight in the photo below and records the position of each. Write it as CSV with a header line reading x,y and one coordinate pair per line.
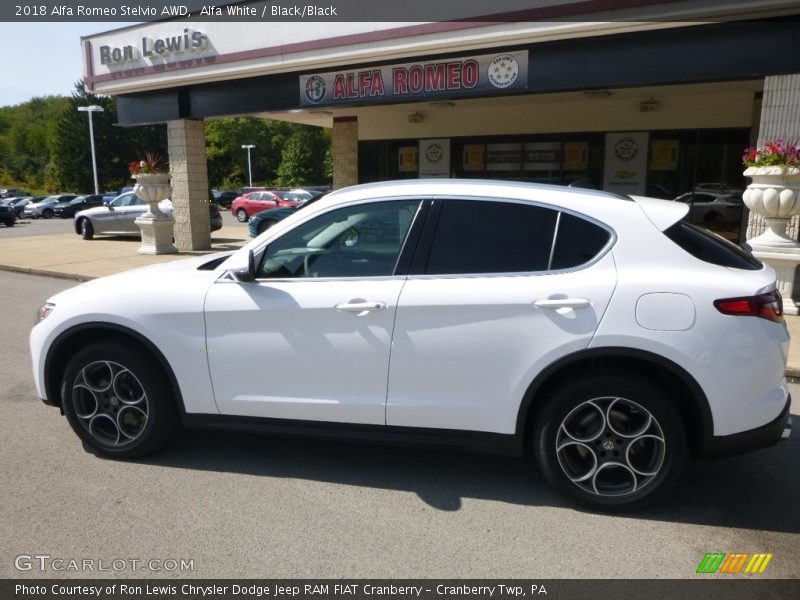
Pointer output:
x,y
44,311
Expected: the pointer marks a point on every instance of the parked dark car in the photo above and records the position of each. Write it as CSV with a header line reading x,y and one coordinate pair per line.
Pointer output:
x,y
109,196
8,215
13,193
262,221
67,210
225,197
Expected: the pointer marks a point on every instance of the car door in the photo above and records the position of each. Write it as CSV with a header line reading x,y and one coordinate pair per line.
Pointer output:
x,y
310,337
107,219
493,303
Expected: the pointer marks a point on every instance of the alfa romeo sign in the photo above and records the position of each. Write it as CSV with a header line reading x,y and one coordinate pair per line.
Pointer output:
x,y
488,73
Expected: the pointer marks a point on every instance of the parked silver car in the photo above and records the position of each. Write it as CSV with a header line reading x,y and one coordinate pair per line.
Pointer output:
x,y
46,207
119,216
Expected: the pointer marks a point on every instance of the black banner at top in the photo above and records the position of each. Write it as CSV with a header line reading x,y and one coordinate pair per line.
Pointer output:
x,y
405,11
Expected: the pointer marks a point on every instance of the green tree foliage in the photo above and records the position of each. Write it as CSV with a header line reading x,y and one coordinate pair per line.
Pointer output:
x,y
275,142
115,147
303,160
44,145
28,135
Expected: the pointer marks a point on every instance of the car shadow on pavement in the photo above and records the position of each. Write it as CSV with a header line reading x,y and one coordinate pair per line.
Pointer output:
x,y
758,491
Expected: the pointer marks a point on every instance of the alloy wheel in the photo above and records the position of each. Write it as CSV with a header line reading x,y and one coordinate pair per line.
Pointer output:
x,y
610,446
110,403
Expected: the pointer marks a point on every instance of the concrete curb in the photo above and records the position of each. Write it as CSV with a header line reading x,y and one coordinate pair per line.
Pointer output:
x,y
46,273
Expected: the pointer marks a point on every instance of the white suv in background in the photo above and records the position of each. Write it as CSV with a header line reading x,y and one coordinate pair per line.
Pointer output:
x,y
601,333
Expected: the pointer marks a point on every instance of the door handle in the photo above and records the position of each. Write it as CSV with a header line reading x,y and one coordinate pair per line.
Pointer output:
x,y
556,303
360,308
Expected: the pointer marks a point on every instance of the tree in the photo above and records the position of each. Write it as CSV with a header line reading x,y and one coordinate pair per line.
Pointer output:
x,y
303,158
115,147
27,138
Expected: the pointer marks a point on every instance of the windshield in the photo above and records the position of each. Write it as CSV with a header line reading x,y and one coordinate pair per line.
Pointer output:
x,y
77,200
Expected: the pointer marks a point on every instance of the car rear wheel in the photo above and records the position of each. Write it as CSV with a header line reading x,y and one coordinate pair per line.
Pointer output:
x,y
611,442
265,224
47,213
10,223
87,231
117,400
241,215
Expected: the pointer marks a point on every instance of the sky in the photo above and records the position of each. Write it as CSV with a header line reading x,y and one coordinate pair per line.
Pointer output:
x,y
43,59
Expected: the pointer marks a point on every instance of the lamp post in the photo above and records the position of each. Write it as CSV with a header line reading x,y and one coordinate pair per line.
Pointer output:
x,y
90,109
249,165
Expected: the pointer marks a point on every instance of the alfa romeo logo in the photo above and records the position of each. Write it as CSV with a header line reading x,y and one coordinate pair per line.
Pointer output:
x,y
503,71
315,89
626,148
434,153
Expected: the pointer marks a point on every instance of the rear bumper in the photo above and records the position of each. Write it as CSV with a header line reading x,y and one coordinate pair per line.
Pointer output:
x,y
762,437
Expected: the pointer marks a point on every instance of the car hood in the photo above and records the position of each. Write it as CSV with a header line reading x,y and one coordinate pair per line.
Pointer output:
x,y
157,278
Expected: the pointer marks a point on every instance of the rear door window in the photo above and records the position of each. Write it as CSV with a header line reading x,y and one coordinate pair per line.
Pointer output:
x,y
476,236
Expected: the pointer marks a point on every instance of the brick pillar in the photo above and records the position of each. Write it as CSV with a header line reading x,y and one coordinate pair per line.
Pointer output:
x,y
345,151
780,118
187,166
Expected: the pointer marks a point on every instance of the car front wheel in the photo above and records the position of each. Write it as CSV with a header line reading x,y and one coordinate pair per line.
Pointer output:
x,y
241,215
47,213
117,400
87,231
611,442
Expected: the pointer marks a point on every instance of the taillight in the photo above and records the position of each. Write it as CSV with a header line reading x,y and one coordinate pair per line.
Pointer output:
x,y
767,306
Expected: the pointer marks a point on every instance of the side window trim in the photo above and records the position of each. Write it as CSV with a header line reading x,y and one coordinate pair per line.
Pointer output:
x,y
405,256
420,262
553,244
412,244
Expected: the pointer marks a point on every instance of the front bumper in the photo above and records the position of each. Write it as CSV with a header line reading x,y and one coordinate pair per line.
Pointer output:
x,y
767,435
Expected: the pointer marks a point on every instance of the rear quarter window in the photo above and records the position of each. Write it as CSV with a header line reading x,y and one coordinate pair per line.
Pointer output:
x,y
578,241
711,248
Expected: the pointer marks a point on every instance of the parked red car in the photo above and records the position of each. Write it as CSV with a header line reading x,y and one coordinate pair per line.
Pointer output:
x,y
249,204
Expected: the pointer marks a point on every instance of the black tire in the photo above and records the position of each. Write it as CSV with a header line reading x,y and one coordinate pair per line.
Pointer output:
x,y
241,215
10,223
47,213
265,224
639,469
87,230
118,400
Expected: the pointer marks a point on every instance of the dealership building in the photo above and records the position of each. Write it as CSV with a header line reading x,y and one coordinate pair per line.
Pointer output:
x,y
638,97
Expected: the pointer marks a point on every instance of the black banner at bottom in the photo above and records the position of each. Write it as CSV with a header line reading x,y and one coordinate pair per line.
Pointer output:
x,y
704,588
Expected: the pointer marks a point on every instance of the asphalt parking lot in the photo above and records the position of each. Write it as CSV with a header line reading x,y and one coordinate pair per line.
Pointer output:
x,y
240,505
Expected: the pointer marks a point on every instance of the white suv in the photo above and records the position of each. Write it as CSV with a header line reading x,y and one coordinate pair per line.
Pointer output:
x,y
601,333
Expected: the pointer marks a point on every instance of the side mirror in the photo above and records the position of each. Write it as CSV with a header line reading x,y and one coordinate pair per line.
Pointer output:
x,y
246,273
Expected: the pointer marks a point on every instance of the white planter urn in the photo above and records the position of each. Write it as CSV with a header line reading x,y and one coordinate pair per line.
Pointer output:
x,y
156,227
774,194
